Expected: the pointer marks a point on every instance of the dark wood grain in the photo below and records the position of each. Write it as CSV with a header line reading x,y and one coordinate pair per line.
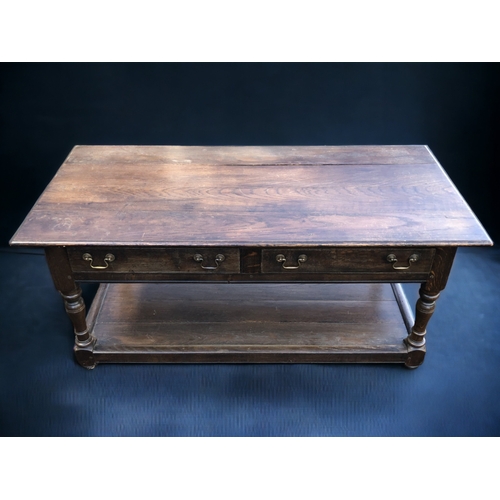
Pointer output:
x,y
404,306
429,293
60,269
291,277
345,260
249,323
154,260
167,264
342,196
250,155
194,215
184,292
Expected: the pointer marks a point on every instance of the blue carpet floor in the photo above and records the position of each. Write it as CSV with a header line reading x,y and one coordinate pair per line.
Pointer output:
x,y
43,392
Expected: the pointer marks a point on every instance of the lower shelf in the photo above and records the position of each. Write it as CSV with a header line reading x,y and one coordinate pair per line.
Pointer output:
x,y
247,323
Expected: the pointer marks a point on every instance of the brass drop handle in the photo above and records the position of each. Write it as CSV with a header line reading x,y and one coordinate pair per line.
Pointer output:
x,y
281,258
109,257
393,259
218,259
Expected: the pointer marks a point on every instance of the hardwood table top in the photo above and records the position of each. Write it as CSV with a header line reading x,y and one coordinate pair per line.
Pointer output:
x,y
249,195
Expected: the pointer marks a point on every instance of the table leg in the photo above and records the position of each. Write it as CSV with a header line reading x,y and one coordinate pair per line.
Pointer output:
x,y
71,293
426,304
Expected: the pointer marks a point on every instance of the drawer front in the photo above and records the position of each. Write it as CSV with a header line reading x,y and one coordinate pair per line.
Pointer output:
x,y
348,260
154,260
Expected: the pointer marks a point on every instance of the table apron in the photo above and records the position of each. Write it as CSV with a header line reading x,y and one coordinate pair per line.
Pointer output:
x,y
390,277
277,264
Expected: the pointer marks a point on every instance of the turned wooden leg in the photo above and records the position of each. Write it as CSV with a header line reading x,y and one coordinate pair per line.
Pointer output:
x,y
75,307
426,304
415,341
71,292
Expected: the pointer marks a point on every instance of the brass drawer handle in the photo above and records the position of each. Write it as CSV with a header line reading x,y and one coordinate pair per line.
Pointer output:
x,y
281,258
392,258
218,259
109,257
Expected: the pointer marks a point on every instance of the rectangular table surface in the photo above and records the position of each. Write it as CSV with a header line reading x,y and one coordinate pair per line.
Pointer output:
x,y
260,196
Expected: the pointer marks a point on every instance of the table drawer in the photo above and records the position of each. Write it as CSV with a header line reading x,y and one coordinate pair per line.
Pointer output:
x,y
347,260
154,260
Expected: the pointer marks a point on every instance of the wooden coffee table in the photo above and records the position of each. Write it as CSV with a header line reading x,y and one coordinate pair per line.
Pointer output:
x,y
250,254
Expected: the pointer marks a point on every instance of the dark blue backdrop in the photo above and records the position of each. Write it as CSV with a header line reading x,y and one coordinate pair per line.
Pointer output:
x,y
45,109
